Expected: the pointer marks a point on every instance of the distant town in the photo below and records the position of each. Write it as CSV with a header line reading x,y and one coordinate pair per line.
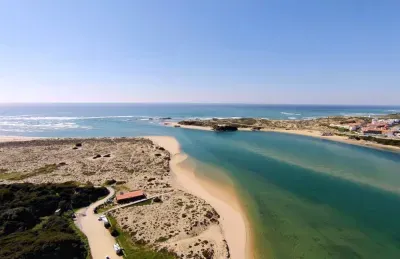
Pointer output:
x,y
377,127
382,129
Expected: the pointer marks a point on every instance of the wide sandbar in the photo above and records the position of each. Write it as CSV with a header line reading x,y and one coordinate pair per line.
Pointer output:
x,y
233,219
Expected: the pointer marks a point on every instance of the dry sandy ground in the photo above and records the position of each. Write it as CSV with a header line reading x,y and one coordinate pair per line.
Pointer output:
x,y
310,133
182,222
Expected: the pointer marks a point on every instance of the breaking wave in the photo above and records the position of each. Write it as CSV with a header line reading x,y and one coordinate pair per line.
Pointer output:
x,y
290,113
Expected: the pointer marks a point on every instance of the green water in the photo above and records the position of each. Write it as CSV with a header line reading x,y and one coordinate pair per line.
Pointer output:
x,y
308,198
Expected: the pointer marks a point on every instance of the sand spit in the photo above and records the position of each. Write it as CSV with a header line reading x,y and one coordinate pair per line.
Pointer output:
x,y
305,132
182,223
232,217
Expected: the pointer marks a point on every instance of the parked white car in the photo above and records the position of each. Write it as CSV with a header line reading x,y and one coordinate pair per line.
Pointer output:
x,y
117,249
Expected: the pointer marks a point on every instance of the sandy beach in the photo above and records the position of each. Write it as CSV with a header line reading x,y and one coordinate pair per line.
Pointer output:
x,y
188,221
309,133
233,218
16,138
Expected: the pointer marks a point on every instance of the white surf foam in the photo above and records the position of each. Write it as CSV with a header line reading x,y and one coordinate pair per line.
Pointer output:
x,y
290,113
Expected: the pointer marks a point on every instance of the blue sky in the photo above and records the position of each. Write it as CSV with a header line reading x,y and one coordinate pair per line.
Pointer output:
x,y
281,51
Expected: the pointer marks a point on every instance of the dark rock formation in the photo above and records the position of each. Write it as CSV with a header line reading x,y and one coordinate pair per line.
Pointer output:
x,y
220,128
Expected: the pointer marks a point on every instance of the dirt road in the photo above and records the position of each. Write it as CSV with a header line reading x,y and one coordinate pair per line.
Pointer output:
x,y
100,241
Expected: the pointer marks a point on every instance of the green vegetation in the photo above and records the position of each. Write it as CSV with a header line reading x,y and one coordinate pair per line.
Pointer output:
x,y
146,202
104,207
139,249
16,176
29,227
383,141
391,116
339,129
110,182
10,176
83,238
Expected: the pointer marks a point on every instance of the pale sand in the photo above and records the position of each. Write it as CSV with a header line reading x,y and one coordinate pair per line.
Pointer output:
x,y
310,133
16,138
233,219
100,241
181,223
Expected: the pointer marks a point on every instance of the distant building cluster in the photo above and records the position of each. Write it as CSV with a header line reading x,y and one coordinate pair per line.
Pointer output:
x,y
382,127
376,127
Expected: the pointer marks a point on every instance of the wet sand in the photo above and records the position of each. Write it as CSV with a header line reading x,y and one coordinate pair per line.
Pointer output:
x,y
233,219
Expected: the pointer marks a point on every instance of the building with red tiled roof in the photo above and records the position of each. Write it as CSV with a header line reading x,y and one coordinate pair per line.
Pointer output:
x,y
131,196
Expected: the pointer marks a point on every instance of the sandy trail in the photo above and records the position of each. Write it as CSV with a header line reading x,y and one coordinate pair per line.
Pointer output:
x,y
100,240
232,219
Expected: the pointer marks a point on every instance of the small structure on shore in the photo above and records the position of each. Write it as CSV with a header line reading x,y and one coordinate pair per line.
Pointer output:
x,y
131,196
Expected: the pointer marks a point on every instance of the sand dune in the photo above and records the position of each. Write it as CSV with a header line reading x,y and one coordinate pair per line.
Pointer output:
x,y
184,222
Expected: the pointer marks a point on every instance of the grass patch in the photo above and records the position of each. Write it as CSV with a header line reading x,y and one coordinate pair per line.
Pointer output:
x,y
103,208
43,221
133,250
390,142
16,176
148,202
11,176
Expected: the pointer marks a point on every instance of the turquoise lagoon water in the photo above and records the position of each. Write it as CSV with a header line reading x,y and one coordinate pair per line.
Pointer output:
x,y
305,197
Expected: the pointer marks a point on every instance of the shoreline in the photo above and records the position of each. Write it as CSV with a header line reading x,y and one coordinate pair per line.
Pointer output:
x,y
309,133
233,219
17,138
234,225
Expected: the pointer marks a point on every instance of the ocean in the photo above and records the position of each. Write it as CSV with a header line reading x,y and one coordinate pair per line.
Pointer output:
x,y
304,197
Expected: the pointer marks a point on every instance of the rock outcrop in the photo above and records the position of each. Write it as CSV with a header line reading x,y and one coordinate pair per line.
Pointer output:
x,y
224,128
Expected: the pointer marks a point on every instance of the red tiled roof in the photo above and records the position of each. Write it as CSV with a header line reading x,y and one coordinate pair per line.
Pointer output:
x,y
130,195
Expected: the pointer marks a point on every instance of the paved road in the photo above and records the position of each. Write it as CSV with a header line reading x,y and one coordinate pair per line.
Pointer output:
x,y
100,241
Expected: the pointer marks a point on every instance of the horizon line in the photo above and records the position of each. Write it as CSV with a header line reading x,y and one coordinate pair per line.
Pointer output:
x,y
197,103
